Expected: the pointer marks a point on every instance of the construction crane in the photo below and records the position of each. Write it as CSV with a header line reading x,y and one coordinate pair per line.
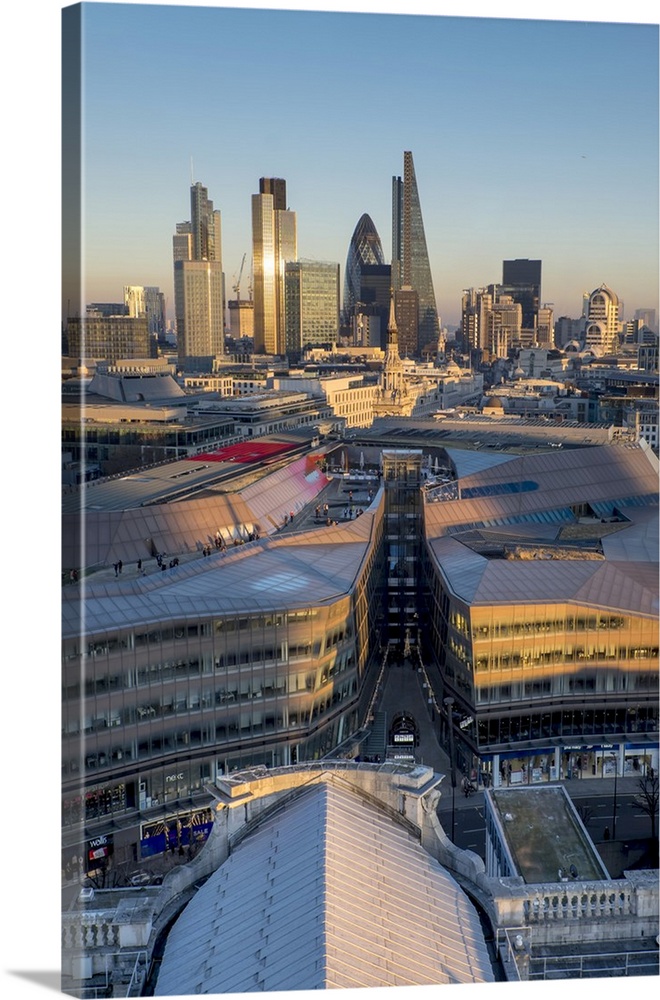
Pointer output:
x,y
237,286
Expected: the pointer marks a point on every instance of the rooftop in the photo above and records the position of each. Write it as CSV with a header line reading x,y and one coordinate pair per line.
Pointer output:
x,y
545,837
329,892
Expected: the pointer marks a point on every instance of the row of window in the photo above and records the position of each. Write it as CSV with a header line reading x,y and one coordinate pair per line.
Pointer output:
x,y
561,685
569,623
260,681
233,725
577,723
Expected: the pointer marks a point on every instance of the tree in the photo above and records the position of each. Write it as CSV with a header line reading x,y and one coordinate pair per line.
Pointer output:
x,y
646,800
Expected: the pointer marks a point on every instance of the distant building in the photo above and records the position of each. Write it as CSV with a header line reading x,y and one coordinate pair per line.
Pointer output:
x,y
503,326
110,337
545,330
205,226
647,356
182,242
647,317
198,296
134,300
410,259
364,249
567,330
602,326
241,318
475,306
406,310
521,279
274,242
366,327
311,295
375,290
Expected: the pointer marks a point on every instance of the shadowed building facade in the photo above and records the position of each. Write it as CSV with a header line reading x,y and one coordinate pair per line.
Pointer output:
x,y
364,249
410,259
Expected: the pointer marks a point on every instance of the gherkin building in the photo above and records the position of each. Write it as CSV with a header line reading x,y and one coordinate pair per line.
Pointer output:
x,y
364,248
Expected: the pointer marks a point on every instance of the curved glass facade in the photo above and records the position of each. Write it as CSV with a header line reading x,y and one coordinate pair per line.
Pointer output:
x,y
364,249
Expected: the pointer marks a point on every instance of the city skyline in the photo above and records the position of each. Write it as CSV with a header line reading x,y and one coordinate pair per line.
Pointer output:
x,y
560,125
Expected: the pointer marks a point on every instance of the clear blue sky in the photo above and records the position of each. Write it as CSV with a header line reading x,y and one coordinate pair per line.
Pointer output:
x,y
531,138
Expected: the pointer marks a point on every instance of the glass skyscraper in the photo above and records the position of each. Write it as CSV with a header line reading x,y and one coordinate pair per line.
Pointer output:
x,y
311,304
274,242
410,259
364,250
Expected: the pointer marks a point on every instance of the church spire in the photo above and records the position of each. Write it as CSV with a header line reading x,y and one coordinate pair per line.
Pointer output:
x,y
392,328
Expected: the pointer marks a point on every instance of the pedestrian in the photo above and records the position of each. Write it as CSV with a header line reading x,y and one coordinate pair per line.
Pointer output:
x,y
120,564
139,565
116,565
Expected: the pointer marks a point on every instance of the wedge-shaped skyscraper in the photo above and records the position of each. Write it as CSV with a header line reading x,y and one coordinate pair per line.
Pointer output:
x,y
410,259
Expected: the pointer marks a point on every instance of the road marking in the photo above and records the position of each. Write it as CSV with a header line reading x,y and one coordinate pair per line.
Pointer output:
x,y
476,829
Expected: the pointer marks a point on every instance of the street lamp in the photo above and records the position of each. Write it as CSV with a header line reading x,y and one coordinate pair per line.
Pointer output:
x,y
616,770
448,703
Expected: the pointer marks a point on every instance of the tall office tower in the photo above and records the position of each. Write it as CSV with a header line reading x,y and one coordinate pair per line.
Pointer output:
x,y
182,242
475,306
375,292
365,249
198,298
503,326
602,328
521,279
134,300
154,304
312,304
274,242
205,225
545,332
406,310
199,282
277,187
410,259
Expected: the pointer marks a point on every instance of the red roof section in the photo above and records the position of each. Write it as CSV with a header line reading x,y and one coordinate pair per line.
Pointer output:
x,y
244,451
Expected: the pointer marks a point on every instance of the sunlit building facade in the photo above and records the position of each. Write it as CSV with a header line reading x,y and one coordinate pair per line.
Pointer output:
x,y
311,295
530,588
264,653
544,631
274,242
602,326
198,297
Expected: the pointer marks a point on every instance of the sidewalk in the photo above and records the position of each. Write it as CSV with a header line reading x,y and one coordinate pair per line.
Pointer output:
x,y
402,691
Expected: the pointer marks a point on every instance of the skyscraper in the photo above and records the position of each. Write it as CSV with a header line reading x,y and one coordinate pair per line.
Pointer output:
x,y
364,249
410,259
274,242
198,299
312,304
199,282
205,225
521,279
